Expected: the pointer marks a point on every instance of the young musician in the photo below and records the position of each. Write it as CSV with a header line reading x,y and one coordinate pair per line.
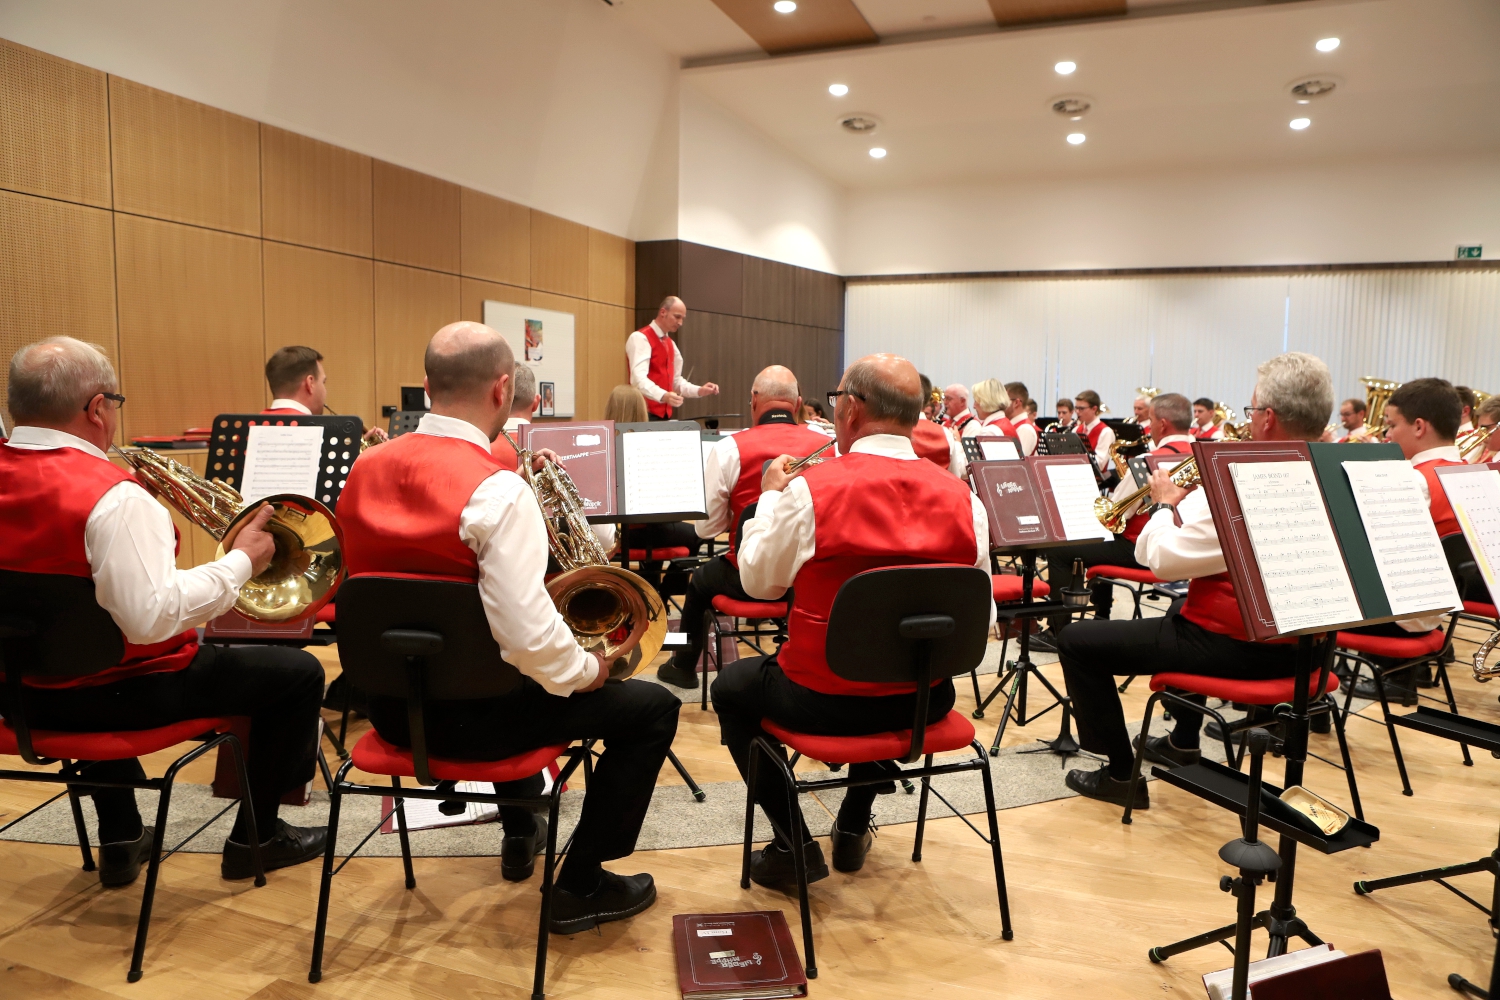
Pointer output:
x,y
1031,410
436,502
1066,416
935,444
1352,427
1019,413
732,474
524,402
990,402
69,510
1205,426
1486,418
1091,427
1293,400
810,533
956,403
656,363
300,385
1467,399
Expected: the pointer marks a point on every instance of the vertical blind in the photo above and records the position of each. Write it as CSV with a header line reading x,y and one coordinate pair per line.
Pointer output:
x,y
1198,334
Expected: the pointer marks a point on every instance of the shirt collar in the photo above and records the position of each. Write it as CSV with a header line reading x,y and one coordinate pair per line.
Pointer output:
x,y
1174,437
1448,451
884,445
513,422
776,417
49,439
1467,425
993,418
438,425
658,330
1096,423
961,414
289,404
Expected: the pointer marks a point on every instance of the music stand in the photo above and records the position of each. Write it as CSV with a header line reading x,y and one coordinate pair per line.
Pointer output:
x,y
710,421
1068,443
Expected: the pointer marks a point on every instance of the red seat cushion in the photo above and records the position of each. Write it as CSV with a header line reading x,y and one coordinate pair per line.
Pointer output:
x,y
1399,647
326,614
749,609
1007,587
375,756
1127,573
1482,610
675,552
953,732
1269,692
111,746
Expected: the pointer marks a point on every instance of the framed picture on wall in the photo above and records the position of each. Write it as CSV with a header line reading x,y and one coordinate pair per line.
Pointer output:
x,y
549,399
542,339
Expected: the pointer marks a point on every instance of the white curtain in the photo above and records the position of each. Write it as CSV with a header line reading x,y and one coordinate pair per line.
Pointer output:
x,y
1201,335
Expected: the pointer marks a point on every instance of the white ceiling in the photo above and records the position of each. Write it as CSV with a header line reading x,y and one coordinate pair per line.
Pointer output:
x,y
1189,90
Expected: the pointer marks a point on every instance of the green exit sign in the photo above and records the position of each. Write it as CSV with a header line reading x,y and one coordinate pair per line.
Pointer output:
x,y
1465,253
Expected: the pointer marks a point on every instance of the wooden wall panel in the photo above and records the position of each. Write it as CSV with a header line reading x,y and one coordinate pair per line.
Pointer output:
x,y
410,306
54,127
316,194
815,25
770,290
611,267
57,276
416,218
559,256
496,239
326,301
712,280
819,299
658,269
180,160
472,295
602,358
192,334
715,351
1032,11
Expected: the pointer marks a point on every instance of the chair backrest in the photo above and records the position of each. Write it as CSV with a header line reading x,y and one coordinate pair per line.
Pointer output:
x,y
1464,567
51,626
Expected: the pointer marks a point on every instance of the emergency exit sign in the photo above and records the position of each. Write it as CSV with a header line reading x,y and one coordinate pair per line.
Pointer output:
x,y
1465,253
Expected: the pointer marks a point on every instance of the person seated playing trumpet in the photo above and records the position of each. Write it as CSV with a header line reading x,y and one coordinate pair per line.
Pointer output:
x,y
299,384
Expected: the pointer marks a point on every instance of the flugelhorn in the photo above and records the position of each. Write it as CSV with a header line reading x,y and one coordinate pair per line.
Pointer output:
x,y
1483,673
308,564
1113,515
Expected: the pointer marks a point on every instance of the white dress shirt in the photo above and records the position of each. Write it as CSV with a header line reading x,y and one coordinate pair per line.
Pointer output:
x,y
1026,434
1348,433
985,426
720,472
289,404
638,354
1101,450
512,423
781,537
957,463
1217,434
503,526
131,550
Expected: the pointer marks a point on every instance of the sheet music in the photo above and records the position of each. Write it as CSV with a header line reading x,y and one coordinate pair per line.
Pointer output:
x,y
281,459
1402,536
1475,497
1074,491
1299,559
998,451
663,472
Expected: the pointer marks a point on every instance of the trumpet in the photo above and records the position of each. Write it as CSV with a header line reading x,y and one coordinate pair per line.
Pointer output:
x,y
1473,440
1484,673
1113,515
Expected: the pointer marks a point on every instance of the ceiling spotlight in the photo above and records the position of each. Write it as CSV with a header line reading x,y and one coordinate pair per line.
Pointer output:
x,y
784,6
1327,44
877,153
1076,138
1300,123
1065,67
838,89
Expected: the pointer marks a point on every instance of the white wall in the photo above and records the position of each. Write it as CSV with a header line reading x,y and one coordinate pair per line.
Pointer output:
x,y
740,191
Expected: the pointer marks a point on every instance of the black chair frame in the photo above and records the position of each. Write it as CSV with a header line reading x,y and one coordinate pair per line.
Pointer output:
x,y
752,632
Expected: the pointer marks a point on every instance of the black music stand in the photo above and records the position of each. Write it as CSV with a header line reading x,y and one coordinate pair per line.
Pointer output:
x,y
230,437
404,422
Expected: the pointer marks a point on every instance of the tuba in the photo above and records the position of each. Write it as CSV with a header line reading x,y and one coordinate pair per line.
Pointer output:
x,y
308,564
609,610
1378,392
1114,515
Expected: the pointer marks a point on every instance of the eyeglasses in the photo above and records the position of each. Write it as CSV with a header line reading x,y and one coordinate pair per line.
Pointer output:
x,y
1250,411
833,397
119,400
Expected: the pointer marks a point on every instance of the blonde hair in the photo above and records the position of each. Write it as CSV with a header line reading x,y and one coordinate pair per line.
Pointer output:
x,y
626,405
990,396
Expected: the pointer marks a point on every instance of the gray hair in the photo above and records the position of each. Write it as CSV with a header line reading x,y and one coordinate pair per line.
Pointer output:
x,y
990,396
776,382
883,401
524,391
1173,409
1299,388
959,388
52,379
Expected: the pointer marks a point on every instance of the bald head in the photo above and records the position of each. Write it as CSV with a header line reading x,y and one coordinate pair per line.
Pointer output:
x,y
776,382
52,380
464,360
889,388
671,314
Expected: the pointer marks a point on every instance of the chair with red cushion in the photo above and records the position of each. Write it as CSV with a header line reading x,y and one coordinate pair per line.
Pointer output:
x,y
1136,582
739,621
53,628
905,625
1172,689
423,640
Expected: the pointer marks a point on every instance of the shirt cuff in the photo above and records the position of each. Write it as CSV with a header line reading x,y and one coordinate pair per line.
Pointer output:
x,y
239,567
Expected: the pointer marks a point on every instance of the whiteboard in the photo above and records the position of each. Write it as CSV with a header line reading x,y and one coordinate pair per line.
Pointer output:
x,y
549,352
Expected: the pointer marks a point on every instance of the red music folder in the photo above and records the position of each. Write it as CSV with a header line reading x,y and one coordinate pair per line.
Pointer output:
x,y
737,956
587,450
1022,504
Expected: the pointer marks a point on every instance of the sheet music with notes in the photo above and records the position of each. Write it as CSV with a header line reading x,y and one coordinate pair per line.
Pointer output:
x,y
1074,490
1402,537
663,472
1298,556
1475,497
281,459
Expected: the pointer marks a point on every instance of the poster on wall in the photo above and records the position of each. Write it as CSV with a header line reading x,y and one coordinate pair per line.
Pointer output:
x,y
543,340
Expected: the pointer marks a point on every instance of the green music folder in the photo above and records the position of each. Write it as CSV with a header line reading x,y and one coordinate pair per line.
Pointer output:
x,y
1328,462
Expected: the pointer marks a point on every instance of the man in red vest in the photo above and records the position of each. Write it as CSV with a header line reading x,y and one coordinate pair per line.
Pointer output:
x,y
1095,432
437,503
1205,634
656,363
1019,415
933,442
956,406
732,473
876,505
300,385
68,510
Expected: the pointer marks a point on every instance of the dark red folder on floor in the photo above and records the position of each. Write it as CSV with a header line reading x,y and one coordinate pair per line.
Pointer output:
x,y
737,956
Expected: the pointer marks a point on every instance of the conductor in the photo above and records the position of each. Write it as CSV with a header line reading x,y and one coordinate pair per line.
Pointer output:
x,y
656,363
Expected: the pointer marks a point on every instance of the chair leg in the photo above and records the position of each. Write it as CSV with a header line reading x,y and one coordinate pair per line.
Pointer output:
x,y
237,754
916,851
698,794
411,878
1385,710
83,830
978,712
750,784
711,642
549,870
1338,728
989,807
320,928
153,868
1442,672
799,863
1140,752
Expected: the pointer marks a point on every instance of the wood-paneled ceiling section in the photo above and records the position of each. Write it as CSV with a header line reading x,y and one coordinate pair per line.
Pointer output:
x,y
815,24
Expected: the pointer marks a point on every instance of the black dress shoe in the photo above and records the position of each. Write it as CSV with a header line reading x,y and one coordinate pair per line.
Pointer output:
x,y
775,868
618,897
1159,750
120,862
1099,785
849,849
1043,642
671,673
290,845
518,854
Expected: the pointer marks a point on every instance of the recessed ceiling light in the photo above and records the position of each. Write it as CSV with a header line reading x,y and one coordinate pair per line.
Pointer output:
x,y
877,152
1301,123
1065,67
838,89
784,6
1327,44
1076,138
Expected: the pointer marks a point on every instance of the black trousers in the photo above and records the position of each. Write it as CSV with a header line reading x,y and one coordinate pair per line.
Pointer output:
x,y
1115,552
1094,653
279,688
715,577
636,721
754,689
665,535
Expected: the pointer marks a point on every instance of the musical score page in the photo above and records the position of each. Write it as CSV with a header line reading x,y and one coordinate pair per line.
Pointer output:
x,y
1074,491
1402,537
1475,497
663,472
1298,556
998,451
281,459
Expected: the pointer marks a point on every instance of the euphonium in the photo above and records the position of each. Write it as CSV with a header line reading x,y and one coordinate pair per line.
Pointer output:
x,y
610,610
308,564
1482,672
1378,392
1114,515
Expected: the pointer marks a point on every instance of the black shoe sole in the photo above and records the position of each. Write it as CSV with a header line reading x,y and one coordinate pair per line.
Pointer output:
x,y
592,920
789,884
1143,799
114,878
235,873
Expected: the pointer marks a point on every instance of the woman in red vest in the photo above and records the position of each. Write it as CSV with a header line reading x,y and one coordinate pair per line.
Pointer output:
x,y
656,363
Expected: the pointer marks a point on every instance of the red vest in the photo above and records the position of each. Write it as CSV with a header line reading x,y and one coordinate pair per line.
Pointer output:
x,y
285,409
1092,437
402,502
662,370
1138,520
46,498
757,446
1442,510
996,428
931,442
872,512
504,453
1204,433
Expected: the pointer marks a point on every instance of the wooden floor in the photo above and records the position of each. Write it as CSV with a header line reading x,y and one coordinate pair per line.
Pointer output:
x,y
1088,897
